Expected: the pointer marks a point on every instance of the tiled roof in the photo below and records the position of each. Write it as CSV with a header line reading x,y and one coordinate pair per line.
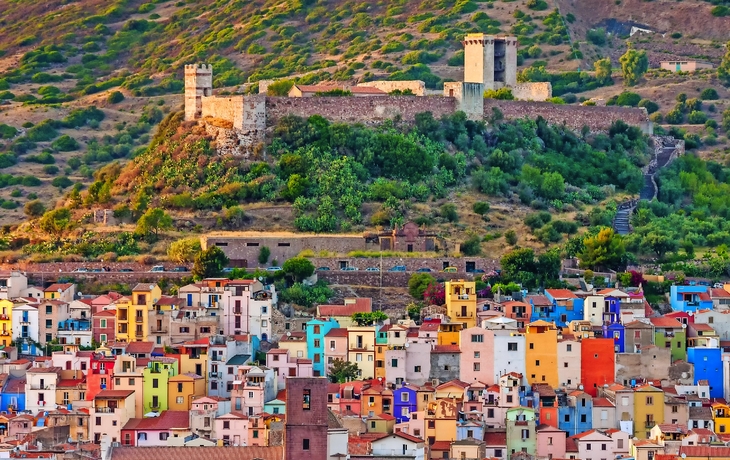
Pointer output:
x,y
337,332
134,348
56,286
453,383
408,437
700,413
701,432
446,349
672,428
544,390
386,417
571,445
714,292
701,327
143,287
663,321
113,394
539,300
44,370
168,419
345,310
441,446
222,453
429,327
561,293
495,438
705,451
106,313
602,402
70,383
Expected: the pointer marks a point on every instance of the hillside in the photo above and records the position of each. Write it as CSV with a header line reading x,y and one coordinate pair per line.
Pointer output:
x,y
126,58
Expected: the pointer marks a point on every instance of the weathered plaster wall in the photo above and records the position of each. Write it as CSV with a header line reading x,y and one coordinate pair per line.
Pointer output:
x,y
416,86
539,91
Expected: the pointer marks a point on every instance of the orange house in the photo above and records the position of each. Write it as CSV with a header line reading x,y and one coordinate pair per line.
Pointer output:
x,y
376,400
598,364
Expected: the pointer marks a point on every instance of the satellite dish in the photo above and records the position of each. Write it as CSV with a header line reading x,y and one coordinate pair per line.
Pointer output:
x,y
60,290
408,344
684,455
684,375
152,286
80,294
288,334
684,326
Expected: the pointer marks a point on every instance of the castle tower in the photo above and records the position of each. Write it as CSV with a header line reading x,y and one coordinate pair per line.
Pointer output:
x,y
198,83
490,60
305,434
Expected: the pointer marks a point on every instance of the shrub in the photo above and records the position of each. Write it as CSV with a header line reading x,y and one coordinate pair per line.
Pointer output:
x,y
65,143
448,212
709,94
115,97
628,98
596,36
649,105
472,246
510,236
481,207
504,94
62,182
7,131
697,117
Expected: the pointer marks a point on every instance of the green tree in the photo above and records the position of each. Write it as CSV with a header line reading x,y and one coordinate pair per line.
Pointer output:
x,y
298,267
264,254
659,243
480,207
209,263
603,250
368,319
34,208
723,71
152,221
418,283
343,371
634,65
472,246
184,250
55,221
510,236
448,212
603,70
504,94
553,185
115,97
279,88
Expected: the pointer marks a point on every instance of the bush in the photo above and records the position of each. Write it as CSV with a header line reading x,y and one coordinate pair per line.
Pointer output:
x,y
596,36
62,182
510,236
504,94
481,207
65,143
448,212
649,105
472,246
7,131
697,117
627,98
709,94
115,97
538,219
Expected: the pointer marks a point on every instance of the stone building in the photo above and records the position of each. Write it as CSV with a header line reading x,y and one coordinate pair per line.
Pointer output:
x,y
306,418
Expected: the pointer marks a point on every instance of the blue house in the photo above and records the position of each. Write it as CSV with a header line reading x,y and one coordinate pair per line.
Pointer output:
x,y
12,398
317,328
75,325
469,429
690,298
405,401
575,412
708,366
565,307
617,332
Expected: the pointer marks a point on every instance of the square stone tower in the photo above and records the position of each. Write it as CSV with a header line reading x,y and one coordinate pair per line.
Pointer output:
x,y
306,426
198,83
490,60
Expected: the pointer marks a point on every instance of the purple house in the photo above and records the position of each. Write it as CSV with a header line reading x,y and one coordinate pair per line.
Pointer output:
x,y
404,402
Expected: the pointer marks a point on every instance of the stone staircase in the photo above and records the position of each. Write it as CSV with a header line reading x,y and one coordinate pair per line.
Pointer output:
x,y
666,149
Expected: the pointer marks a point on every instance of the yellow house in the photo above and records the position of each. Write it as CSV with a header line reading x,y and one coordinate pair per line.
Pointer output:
x,y
183,389
450,333
648,410
541,356
441,416
382,423
296,343
721,417
194,359
453,389
144,296
123,305
461,302
6,323
361,349
380,361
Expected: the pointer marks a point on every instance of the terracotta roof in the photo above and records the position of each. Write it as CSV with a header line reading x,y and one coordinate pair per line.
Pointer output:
x,y
365,90
571,445
602,402
386,417
539,300
715,292
168,419
113,394
106,313
672,428
56,286
135,348
561,293
495,437
446,349
700,413
345,310
408,437
44,370
70,383
701,327
337,332
221,453
441,446
143,287
429,327
701,432
663,321
544,390
705,451
454,382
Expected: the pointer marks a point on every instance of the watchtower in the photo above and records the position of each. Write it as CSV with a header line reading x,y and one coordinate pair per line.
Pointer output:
x,y
198,83
490,60
306,418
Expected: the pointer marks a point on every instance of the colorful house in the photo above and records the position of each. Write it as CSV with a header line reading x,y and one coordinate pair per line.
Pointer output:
x,y
317,329
689,298
110,412
104,326
441,417
598,363
648,410
542,353
6,322
361,349
566,307
721,417
521,434
381,423
477,355
670,333
183,389
155,379
708,365
404,402
461,302
576,412
155,431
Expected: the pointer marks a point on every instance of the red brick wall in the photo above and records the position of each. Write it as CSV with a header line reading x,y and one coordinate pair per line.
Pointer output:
x,y
358,109
306,424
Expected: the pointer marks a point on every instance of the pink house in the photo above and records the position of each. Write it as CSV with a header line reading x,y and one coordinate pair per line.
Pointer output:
x,y
335,346
104,326
477,355
104,302
249,390
550,442
415,426
232,429
285,366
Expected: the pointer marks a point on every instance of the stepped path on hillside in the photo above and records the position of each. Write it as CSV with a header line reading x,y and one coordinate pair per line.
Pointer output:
x,y
666,149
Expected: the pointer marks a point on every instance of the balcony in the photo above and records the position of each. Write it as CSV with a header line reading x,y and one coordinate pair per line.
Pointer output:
x,y
24,321
457,297
159,330
4,317
104,410
216,358
160,312
35,386
139,319
650,424
214,375
73,329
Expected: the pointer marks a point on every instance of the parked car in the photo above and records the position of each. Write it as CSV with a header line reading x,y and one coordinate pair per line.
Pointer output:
x,y
96,270
273,269
158,269
81,270
180,269
228,270
476,270
372,269
450,270
126,270
398,268
424,270
350,269
323,269
718,285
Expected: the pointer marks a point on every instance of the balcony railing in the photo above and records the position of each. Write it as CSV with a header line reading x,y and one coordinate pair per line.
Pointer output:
x,y
104,410
650,424
73,329
4,317
139,320
34,386
160,330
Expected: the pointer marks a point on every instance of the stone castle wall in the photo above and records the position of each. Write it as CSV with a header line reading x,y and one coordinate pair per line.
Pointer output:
x,y
228,108
538,91
573,116
416,86
358,109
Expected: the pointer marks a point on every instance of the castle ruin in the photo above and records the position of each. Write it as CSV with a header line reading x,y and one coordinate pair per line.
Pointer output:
x,y
238,123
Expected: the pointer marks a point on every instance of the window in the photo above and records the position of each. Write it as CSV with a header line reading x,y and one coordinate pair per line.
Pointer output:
x,y
509,398
583,418
537,362
550,441
620,443
432,424
567,418
604,415
155,383
569,347
179,387
305,444
404,397
512,346
184,330
230,370
416,368
603,447
358,357
477,367
141,436
372,424
204,330
532,346
226,425
250,394
649,400
180,399
98,421
49,309
102,338
477,354
255,433
117,381
393,362
317,343
49,323
102,323
588,446
675,409
478,338
306,403
332,344
565,364
164,436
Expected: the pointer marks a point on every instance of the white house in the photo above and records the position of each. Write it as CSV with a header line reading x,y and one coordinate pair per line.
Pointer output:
x,y
399,444
12,284
594,445
40,388
25,322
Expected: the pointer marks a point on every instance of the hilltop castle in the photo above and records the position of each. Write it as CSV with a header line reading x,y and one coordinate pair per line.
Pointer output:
x,y
239,122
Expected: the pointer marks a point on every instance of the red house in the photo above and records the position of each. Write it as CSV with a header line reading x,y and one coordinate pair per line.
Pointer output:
x,y
104,326
598,364
100,376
